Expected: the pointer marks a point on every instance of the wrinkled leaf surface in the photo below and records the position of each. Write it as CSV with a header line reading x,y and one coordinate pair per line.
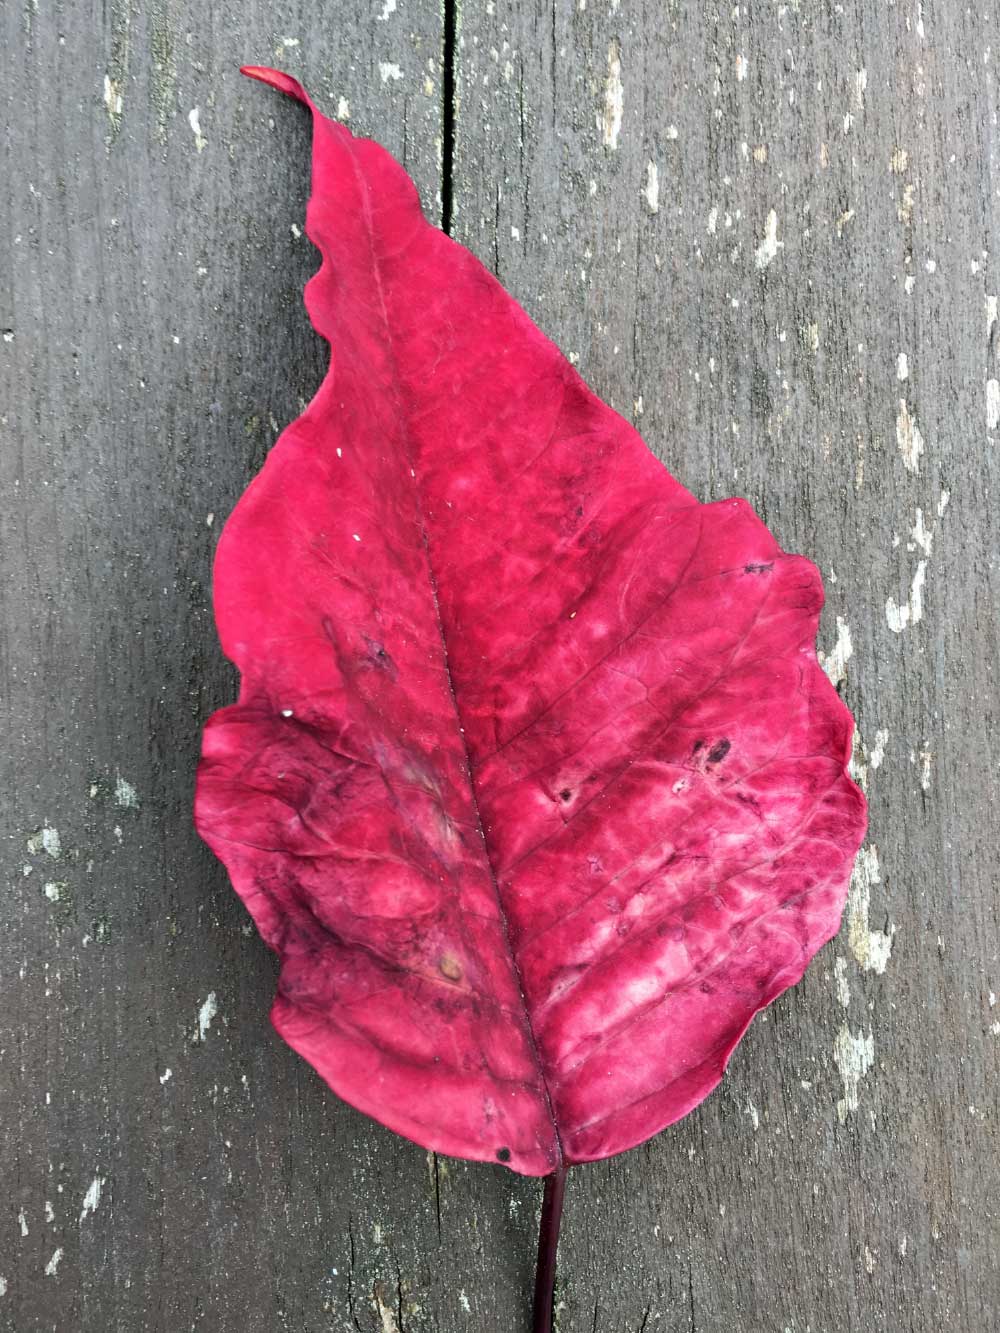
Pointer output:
x,y
534,782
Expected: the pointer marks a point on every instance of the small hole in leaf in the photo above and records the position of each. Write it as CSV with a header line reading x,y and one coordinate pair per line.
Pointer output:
x,y
503,1154
450,967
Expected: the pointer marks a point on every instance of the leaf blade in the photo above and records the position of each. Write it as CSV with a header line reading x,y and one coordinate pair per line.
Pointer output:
x,y
519,837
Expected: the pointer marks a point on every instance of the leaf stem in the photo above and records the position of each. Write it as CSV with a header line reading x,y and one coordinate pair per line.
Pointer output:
x,y
548,1241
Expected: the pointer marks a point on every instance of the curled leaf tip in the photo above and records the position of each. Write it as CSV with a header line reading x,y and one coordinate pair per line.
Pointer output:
x,y
274,78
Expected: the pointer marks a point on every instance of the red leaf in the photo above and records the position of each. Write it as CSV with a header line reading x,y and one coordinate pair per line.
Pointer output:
x,y
534,782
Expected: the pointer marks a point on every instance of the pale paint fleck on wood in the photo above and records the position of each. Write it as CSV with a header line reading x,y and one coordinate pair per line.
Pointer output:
x,y
791,305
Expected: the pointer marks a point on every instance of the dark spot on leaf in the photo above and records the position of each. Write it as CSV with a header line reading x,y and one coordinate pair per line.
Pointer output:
x,y
719,751
565,794
503,1154
758,569
376,656
750,802
697,746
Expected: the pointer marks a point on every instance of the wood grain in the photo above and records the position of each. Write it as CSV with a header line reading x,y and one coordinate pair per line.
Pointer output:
x,y
845,1176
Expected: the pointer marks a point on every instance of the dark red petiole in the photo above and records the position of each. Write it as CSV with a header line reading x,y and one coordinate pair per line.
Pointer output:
x,y
548,1241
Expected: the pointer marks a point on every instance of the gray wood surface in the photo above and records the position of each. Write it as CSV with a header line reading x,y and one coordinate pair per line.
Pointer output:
x,y
802,310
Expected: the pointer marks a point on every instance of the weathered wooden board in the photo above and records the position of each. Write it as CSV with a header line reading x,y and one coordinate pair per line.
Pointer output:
x,y
765,233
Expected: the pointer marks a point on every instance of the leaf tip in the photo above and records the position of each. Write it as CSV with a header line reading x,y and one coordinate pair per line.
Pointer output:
x,y
275,78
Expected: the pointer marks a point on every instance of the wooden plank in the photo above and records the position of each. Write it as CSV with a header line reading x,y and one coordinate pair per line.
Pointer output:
x,y
157,342
739,223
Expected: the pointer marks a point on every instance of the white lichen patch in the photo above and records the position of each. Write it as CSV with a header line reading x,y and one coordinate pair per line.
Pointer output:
x,y
908,438
609,117
651,189
385,1313
770,245
877,753
92,1199
52,1267
859,761
343,109
206,1014
194,121
911,612
46,839
992,404
871,948
113,100
920,535
902,367
54,889
389,71
742,67
388,7
126,795
834,663
854,1055
840,981
845,217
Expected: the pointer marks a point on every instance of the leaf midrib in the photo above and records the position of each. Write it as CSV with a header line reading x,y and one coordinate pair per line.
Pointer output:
x,y
418,507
